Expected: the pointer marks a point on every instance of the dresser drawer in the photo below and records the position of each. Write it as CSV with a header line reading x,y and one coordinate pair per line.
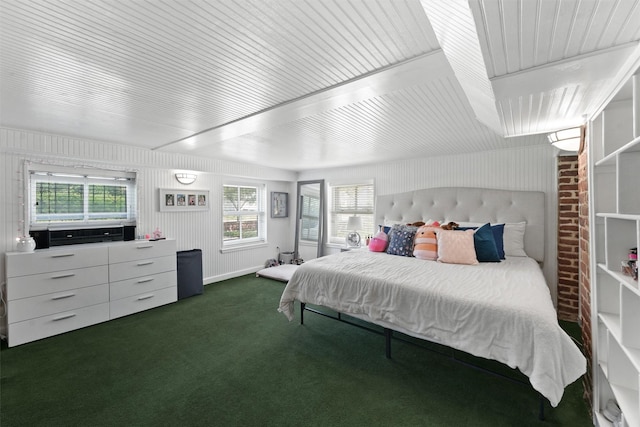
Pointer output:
x,y
44,305
141,267
139,285
46,283
57,259
145,301
46,326
141,249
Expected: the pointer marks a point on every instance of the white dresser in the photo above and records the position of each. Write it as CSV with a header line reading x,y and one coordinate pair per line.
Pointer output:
x,y
141,276
56,290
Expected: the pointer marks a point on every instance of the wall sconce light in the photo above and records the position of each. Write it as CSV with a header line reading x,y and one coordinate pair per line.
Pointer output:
x,y
567,139
186,178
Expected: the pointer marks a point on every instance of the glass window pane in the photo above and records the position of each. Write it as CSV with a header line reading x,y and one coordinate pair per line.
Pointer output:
x,y
249,226
348,200
107,198
231,224
59,202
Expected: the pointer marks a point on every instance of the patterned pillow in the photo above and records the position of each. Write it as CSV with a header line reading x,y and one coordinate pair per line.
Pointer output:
x,y
401,240
425,244
456,247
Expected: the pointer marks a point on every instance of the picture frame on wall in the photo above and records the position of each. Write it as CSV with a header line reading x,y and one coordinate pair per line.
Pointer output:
x,y
172,200
279,204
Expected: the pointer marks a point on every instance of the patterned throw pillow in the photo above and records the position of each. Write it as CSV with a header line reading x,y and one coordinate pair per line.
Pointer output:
x,y
456,247
401,240
425,244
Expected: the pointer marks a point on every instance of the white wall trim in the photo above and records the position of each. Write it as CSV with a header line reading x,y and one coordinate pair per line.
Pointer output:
x,y
232,275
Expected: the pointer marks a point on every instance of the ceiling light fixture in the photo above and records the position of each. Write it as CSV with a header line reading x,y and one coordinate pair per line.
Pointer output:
x,y
567,139
186,178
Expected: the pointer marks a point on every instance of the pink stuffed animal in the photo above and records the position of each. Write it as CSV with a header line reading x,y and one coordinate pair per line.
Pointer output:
x,y
379,242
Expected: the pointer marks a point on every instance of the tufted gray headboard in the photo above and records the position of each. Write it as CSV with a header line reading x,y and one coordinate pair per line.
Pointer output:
x,y
463,204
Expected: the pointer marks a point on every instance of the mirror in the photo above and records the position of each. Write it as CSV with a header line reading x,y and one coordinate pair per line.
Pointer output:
x,y
310,220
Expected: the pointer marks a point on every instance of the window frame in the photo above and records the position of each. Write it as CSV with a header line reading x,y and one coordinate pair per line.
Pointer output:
x,y
86,178
335,237
260,212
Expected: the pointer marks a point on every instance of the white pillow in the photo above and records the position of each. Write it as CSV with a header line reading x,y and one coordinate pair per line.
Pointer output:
x,y
514,239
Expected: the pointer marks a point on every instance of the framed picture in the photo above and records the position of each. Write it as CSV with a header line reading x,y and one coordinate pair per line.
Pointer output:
x,y
279,205
183,201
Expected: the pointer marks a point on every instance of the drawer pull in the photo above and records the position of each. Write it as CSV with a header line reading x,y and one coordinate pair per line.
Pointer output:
x,y
64,316
144,247
69,295
62,276
148,279
140,264
61,255
144,297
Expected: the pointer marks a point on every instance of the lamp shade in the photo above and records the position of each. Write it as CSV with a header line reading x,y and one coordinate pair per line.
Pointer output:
x,y
186,178
567,139
354,223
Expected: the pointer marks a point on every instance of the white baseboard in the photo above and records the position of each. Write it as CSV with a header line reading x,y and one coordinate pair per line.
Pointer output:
x,y
221,277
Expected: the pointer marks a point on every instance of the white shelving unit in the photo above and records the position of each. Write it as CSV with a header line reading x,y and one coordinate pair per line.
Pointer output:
x,y
615,297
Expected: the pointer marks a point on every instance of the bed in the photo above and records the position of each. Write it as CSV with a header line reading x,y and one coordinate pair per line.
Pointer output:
x,y
500,310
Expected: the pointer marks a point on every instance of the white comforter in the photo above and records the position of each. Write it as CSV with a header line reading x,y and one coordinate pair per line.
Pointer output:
x,y
501,311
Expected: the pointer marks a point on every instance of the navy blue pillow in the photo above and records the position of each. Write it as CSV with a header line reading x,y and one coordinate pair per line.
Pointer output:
x,y
385,228
498,236
485,242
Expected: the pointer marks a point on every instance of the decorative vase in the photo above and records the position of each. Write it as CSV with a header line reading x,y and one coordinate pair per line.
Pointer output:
x,y
26,244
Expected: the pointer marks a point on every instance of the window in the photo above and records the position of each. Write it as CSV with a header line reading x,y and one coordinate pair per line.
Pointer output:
x,y
243,214
57,197
348,200
310,217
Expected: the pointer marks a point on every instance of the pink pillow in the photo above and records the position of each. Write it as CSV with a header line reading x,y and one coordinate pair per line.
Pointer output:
x,y
379,242
456,247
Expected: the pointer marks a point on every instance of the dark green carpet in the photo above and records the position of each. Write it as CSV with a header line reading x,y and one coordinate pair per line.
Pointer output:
x,y
229,358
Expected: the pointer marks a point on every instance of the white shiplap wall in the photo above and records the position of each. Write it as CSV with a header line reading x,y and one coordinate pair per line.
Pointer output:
x,y
519,168
156,170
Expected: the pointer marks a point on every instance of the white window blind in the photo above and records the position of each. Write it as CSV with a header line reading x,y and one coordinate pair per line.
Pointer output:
x,y
59,197
243,214
348,200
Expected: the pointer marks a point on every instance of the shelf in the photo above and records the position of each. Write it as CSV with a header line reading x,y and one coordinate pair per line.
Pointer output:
x,y
612,322
632,146
628,403
630,217
614,156
602,421
622,278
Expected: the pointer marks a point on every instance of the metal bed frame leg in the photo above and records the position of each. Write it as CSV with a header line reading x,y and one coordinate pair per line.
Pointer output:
x,y
387,342
388,335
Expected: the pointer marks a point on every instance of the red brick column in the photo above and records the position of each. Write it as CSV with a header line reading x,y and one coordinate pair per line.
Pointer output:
x,y
585,273
568,238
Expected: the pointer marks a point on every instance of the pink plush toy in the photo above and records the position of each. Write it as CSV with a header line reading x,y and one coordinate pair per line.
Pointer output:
x,y
379,242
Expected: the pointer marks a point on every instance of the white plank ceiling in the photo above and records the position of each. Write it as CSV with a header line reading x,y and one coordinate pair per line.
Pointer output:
x,y
312,84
